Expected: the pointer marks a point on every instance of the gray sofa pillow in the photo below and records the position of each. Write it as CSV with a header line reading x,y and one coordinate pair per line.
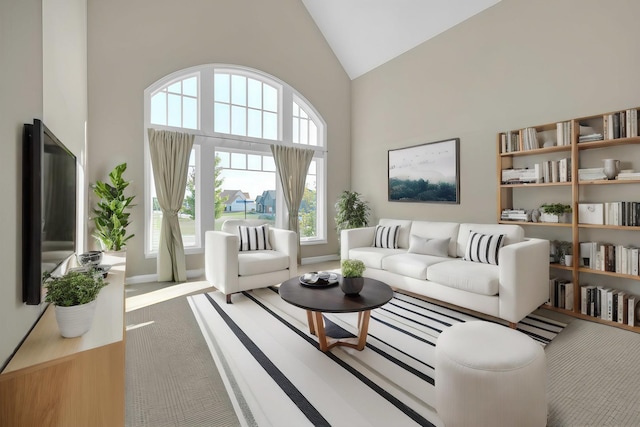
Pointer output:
x,y
426,246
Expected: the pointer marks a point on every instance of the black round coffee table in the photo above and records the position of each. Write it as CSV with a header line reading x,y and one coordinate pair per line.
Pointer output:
x,y
331,299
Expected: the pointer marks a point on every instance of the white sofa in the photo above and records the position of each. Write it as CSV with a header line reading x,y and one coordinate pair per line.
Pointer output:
x,y
510,290
231,270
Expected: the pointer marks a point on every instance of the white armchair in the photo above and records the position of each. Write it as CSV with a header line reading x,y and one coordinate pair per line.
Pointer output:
x,y
230,270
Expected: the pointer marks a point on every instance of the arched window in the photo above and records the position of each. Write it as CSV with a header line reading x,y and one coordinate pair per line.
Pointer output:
x,y
236,113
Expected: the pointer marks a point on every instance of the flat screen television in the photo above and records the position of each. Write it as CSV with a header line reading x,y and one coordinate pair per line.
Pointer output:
x,y
49,207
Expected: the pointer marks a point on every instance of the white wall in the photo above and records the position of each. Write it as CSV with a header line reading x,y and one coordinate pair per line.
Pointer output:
x,y
519,63
133,44
23,86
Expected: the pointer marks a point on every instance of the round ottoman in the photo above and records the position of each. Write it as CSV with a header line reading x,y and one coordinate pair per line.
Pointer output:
x,y
489,375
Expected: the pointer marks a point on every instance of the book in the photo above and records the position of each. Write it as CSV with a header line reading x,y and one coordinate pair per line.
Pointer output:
x,y
623,301
632,303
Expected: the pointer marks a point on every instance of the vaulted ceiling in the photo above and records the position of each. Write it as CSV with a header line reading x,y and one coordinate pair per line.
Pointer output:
x,y
367,33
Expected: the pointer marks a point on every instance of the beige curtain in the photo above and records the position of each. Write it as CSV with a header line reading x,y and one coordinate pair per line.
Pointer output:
x,y
170,153
292,164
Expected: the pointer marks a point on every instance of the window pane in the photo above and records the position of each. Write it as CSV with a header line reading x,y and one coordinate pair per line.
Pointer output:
x,y
238,120
224,159
270,98
239,90
296,109
296,130
270,126
255,93
175,88
187,214
190,86
238,161
312,168
304,132
159,108
190,113
308,209
254,161
313,134
221,87
175,110
268,164
303,114
221,118
255,123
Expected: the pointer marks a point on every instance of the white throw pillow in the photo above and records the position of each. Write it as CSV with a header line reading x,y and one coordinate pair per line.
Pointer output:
x,y
426,246
386,237
253,238
483,248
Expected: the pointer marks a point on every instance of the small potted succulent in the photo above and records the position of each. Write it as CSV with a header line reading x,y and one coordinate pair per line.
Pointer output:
x,y
555,212
74,297
352,281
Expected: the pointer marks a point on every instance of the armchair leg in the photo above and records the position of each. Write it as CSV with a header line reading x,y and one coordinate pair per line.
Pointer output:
x,y
513,325
228,298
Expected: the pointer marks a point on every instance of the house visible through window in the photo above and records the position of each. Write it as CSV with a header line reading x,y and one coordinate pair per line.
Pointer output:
x,y
235,113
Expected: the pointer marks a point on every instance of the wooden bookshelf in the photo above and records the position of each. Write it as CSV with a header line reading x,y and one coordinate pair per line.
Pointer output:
x,y
56,381
615,143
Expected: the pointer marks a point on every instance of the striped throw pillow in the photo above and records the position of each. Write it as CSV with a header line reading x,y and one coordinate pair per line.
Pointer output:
x,y
253,238
483,248
386,237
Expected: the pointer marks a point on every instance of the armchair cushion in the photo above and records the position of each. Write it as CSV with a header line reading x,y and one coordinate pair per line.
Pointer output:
x,y
260,262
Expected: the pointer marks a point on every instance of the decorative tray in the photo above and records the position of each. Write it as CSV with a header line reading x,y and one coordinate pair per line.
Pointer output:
x,y
320,279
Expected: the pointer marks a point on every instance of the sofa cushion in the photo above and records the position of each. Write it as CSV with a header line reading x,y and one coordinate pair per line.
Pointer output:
x,y
483,247
426,246
513,234
405,227
253,238
438,230
260,262
386,237
469,276
411,265
372,257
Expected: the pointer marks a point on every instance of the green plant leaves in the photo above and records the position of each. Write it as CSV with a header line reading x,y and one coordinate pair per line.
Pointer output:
x,y
74,288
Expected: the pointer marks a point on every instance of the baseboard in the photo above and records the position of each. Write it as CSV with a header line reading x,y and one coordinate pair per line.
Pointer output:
x,y
147,278
318,259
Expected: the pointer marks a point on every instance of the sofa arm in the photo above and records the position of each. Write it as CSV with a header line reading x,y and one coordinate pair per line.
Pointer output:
x,y
524,278
221,260
355,238
285,241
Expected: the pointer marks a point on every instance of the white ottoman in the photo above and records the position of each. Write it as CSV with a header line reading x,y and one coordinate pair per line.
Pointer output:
x,y
490,375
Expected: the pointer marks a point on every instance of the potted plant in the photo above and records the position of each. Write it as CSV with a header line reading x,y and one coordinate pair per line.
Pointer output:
x,y
352,281
555,212
565,252
74,297
351,211
110,216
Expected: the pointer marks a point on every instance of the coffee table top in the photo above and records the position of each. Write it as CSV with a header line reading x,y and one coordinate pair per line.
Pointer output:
x,y
332,300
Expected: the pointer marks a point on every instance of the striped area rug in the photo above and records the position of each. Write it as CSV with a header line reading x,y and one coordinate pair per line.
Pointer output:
x,y
276,375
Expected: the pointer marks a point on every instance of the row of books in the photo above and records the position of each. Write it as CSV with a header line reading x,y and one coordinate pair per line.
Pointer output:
x,y
510,142
530,139
623,124
609,304
547,171
563,133
609,257
560,293
610,213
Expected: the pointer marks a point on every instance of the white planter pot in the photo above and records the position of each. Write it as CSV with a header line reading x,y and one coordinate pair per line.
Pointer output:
x,y
564,218
76,320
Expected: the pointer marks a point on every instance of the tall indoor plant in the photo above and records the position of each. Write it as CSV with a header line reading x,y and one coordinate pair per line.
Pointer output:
x,y
351,211
111,216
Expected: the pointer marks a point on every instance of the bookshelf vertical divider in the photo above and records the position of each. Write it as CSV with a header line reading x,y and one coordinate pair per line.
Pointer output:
x,y
518,144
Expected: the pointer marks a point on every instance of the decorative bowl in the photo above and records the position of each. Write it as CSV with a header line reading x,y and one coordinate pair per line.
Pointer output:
x,y
93,258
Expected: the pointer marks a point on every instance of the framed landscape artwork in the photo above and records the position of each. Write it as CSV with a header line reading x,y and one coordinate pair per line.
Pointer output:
x,y
425,173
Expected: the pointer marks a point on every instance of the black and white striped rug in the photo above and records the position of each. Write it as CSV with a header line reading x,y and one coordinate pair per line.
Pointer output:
x,y
276,375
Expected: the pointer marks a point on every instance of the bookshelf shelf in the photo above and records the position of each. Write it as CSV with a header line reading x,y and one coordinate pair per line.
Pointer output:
x,y
581,142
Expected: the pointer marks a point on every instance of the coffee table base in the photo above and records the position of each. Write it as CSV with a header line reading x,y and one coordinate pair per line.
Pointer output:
x,y
326,343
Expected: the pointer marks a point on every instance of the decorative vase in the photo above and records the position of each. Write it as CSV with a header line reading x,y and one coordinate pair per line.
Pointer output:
x,y
611,168
76,320
351,285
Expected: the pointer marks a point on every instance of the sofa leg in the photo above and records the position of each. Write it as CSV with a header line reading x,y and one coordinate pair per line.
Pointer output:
x,y
228,298
513,325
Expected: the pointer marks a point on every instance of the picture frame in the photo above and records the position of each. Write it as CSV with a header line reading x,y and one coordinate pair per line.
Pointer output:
x,y
425,173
